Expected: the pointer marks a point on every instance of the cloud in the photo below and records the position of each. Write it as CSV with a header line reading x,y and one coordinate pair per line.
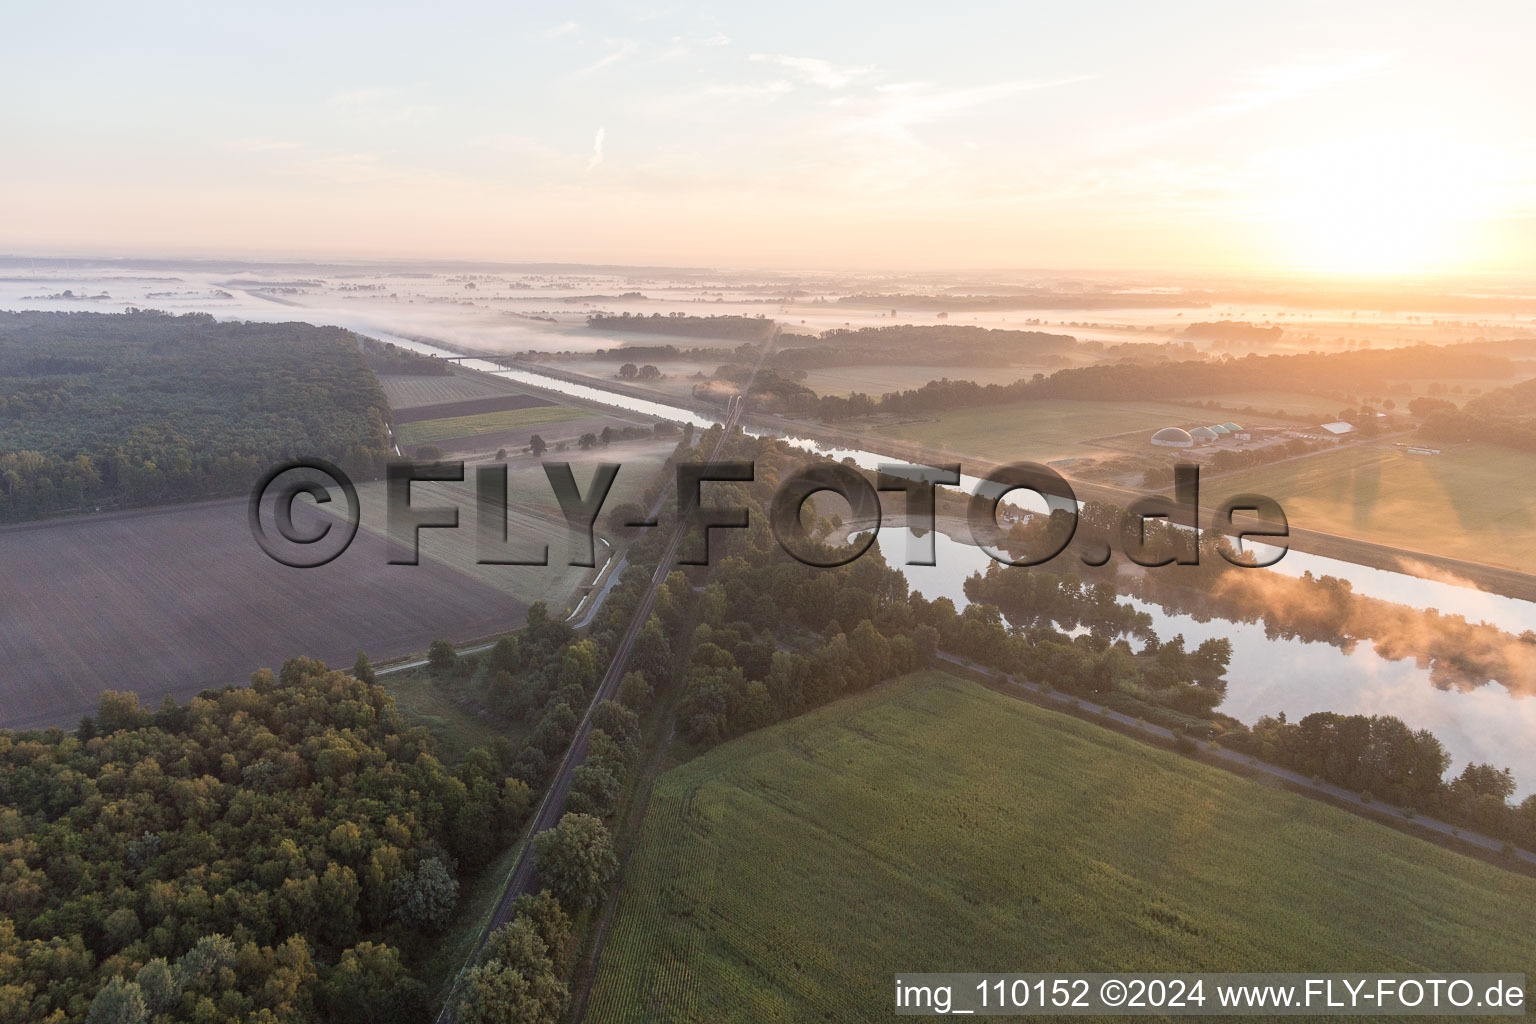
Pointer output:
x,y
563,29
597,149
379,105
260,145
619,49
358,97
1271,86
815,71
876,129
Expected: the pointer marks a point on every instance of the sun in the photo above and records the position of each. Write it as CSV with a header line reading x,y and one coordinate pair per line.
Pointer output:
x,y
1379,206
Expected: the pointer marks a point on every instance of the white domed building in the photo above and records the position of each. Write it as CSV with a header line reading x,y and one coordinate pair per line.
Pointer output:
x,y
1173,437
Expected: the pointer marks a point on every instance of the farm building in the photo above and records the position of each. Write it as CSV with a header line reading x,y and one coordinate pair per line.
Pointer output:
x,y
1203,435
1173,437
1339,429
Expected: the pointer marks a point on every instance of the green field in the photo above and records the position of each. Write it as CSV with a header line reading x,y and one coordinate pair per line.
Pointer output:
x,y
424,431
1293,403
1470,502
934,825
446,709
1038,430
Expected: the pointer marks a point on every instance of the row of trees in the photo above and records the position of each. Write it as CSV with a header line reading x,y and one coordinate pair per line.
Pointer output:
x,y
727,327
1167,379
1383,759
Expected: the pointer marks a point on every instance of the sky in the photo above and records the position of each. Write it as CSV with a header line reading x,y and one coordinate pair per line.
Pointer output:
x,y
1360,138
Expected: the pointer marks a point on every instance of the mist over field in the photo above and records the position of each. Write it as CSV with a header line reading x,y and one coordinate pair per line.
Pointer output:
x,y
687,515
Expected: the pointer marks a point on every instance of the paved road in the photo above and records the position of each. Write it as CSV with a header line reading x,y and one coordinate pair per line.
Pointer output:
x,y
1232,756
552,807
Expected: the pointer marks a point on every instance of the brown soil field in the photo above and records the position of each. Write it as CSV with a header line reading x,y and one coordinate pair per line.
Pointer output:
x,y
469,407
174,600
405,392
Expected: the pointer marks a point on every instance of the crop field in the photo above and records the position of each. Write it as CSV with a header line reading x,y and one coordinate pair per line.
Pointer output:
x,y
470,407
175,600
406,392
1469,502
1039,430
534,519
424,431
934,825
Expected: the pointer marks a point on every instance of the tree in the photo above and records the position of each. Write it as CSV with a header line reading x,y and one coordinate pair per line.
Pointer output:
x,y
1486,780
537,445
607,436
158,983
501,454
518,978
653,651
628,371
363,670
649,372
619,722
594,790
634,691
425,898
496,994
441,655
118,1002
587,441
576,858
578,666
369,985
506,656
553,925
429,452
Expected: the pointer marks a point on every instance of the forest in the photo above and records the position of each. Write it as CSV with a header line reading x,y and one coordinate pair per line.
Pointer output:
x,y
385,357
1506,416
279,851
110,410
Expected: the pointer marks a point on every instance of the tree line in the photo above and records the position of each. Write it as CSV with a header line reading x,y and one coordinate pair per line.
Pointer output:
x,y
726,327
1506,417
1370,371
